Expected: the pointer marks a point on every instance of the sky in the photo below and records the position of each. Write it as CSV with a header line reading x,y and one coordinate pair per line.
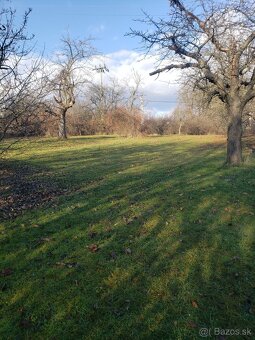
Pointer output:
x,y
107,21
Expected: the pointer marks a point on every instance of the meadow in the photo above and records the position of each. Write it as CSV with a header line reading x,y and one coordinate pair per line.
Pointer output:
x,y
118,238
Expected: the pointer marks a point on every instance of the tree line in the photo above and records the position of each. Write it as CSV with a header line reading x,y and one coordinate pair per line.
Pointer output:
x,y
214,43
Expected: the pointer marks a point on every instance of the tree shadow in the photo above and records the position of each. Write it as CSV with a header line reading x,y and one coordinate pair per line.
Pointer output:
x,y
174,232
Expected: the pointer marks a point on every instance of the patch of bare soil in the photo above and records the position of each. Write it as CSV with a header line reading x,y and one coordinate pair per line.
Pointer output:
x,y
23,188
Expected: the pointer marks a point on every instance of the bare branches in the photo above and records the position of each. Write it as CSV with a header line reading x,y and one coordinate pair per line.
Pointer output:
x,y
12,40
214,39
71,59
217,42
246,43
22,81
174,66
70,65
21,97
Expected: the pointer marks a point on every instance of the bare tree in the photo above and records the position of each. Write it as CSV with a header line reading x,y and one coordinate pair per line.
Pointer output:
x,y
13,40
71,64
104,99
134,97
22,82
193,108
21,98
217,42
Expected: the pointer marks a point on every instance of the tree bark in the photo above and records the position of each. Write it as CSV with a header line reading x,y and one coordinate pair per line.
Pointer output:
x,y
62,125
234,141
180,126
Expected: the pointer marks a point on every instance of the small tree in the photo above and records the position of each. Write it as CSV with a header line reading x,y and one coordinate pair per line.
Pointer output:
x,y
21,75
71,64
104,99
217,42
134,97
194,109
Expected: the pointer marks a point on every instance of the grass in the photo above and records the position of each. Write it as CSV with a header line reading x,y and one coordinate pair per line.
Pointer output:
x,y
153,238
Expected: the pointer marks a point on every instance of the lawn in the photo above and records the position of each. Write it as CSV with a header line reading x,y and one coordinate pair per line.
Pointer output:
x,y
116,238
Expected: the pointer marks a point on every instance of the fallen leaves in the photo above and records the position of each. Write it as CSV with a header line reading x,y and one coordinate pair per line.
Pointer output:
x,y
93,248
130,219
92,234
45,239
113,255
19,193
25,323
191,325
67,264
6,272
127,251
194,304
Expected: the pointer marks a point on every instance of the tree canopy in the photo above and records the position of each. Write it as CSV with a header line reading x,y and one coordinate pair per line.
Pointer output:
x,y
217,42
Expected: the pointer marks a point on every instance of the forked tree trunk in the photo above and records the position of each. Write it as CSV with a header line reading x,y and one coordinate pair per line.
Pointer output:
x,y
234,142
62,125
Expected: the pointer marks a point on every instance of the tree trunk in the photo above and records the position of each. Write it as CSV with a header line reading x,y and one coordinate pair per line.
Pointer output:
x,y
62,125
234,142
180,126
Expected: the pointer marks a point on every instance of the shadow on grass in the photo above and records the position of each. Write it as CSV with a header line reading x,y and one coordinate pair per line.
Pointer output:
x,y
174,237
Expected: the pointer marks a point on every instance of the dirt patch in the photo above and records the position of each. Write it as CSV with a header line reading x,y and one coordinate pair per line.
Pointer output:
x,y
23,187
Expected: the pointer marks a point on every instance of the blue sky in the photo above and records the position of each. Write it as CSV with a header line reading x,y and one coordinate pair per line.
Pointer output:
x,y
107,21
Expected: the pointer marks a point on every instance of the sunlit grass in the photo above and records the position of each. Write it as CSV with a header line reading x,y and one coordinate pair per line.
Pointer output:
x,y
175,235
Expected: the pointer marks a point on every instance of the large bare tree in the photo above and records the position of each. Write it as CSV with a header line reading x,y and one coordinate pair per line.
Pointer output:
x,y
217,42
71,64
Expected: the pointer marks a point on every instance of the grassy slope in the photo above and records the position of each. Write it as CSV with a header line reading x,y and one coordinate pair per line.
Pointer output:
x,y
188,222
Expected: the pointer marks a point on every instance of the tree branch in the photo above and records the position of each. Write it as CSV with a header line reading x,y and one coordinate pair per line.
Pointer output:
x,y
174,66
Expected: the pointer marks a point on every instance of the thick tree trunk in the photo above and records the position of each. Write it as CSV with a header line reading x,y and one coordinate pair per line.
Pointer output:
x,y
234,142
62,125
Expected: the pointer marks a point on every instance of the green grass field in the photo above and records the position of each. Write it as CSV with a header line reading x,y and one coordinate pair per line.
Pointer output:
x,y
148,238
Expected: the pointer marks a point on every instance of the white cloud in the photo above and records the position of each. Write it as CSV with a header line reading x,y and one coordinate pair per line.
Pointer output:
x,y
160,93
